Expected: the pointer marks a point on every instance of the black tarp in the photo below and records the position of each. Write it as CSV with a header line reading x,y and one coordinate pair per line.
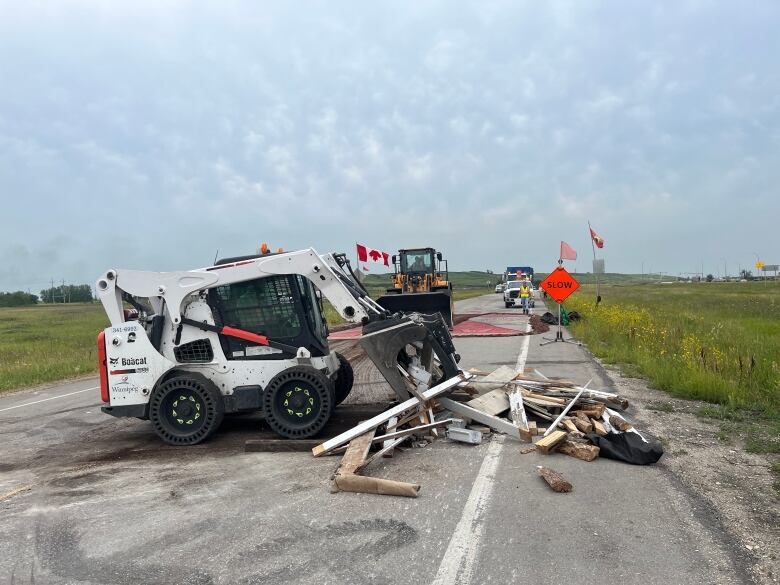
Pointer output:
x,y
627,447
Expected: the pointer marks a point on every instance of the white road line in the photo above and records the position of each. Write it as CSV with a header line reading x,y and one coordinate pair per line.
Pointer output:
x,y
457,564
50,398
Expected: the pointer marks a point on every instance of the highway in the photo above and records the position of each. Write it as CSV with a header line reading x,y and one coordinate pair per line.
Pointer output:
x,y
87,498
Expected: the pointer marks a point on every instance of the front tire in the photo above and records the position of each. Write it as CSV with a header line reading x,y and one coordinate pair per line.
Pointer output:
x,y
507,305
186,410
344,380
298,402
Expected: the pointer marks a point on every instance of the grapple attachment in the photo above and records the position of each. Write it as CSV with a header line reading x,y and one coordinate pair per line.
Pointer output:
x,y
418,344
421,302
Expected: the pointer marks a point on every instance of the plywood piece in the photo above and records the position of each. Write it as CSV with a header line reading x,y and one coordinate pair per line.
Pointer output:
x,y
494,402
547,444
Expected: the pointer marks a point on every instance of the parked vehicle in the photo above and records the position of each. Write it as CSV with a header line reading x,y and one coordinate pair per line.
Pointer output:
x,y
512,294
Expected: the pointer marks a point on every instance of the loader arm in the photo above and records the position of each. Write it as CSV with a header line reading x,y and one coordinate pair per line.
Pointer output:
x,y
169,289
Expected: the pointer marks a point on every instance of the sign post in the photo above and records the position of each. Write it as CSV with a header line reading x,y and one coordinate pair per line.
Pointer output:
x,y
559,285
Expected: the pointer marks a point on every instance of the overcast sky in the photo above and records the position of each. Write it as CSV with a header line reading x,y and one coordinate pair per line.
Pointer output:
x,y
144,136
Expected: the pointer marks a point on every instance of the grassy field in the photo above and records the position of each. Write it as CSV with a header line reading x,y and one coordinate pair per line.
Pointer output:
x,y
718,342
44,343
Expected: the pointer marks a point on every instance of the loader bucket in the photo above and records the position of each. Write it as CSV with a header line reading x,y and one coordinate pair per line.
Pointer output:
x,y
388,342
428,303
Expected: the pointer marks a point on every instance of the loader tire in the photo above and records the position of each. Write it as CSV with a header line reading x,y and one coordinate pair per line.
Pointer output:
x,y
186,409
344,380
298,402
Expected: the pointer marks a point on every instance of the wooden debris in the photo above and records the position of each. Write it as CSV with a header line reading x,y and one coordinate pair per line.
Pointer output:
x,y
494,402
619,423
569,425
547,444
554,479
375,485
582,451
582,423
497,424
516,409
592,411
528,450
354,457
392,424
598,427
482,429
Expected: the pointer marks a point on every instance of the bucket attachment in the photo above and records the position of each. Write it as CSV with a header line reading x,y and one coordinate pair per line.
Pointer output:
x,y
420,344
422,302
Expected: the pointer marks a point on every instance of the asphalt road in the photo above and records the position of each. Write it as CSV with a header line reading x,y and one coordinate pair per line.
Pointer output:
x,y
86,498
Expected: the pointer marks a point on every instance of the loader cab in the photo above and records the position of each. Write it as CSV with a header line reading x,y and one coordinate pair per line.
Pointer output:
x,y
285,308
417,261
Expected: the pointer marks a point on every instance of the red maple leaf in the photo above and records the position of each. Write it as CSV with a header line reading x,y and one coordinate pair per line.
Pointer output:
x,y
375,255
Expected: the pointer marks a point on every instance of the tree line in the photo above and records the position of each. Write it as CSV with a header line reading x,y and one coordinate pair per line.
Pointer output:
x,y
69,293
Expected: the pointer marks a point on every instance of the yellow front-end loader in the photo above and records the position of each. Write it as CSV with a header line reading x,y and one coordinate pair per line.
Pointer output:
x,y
420,284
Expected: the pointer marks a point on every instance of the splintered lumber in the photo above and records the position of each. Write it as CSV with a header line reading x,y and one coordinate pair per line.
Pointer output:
x,y
569,425
374,485
528,450
619,423
579,450
554,479
532,428
544,398
517,410
598,427
565,410
591,411
497,424
383,417
495,379
354,457
583,424
494,402
547,444
392,424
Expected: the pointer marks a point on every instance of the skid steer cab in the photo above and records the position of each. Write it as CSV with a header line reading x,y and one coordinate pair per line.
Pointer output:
x,y
248,334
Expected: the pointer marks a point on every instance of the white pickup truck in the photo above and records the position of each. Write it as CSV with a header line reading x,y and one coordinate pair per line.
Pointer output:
x,y
512,294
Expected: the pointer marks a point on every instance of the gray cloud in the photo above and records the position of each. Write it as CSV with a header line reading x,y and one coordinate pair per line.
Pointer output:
x,y
150,136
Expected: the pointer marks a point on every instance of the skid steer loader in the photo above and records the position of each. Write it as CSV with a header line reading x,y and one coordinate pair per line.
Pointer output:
x,y
420,284
248,334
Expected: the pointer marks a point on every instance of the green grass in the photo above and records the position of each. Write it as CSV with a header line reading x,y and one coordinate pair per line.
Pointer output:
x,y
44,343
717,342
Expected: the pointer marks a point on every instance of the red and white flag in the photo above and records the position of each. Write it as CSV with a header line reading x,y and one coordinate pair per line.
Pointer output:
x,y
370,256
567,252
597,239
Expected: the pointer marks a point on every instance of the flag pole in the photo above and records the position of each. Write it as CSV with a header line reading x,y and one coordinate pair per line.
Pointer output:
x,y
598,280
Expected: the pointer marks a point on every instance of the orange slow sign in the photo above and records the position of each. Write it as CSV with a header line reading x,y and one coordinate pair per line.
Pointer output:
x,y
559,284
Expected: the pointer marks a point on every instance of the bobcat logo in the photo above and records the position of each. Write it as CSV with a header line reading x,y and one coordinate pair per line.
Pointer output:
x,y
114,361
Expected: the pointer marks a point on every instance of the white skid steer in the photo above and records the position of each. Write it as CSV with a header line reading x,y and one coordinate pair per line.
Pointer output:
x,y
249,334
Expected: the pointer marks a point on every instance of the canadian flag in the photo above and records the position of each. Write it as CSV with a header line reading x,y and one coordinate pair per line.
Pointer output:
x,y
597,239
371,256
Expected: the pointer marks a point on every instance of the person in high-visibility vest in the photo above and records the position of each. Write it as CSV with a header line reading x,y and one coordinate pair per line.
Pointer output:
x,y
525,295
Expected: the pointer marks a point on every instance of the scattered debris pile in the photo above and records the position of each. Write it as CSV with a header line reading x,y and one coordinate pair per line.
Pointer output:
x,y
559,415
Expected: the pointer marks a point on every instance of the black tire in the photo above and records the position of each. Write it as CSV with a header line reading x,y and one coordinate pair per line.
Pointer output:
x,y
507,305
298,402
186,409
344,380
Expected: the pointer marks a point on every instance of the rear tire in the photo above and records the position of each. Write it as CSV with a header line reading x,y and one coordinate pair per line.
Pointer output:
x,y
186,409
507,305
298,402
344,380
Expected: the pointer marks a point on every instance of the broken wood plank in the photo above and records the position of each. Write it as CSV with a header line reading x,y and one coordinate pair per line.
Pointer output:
x,y
383,417
582,451
496,379
516,409
547,444
619,423
497,424
569,425
391,426
355,455
582,423
494,402
375,485
554,479
598,427
591,411
565,410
